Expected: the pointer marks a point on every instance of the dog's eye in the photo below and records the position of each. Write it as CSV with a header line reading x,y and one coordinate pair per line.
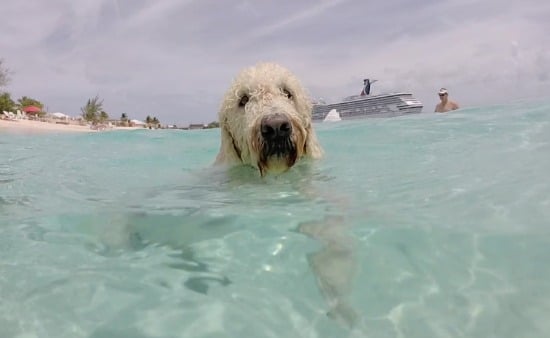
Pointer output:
x,y
287,93
243,101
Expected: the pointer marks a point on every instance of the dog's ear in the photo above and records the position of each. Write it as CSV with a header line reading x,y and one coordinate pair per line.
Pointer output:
x,y
229,151
312,148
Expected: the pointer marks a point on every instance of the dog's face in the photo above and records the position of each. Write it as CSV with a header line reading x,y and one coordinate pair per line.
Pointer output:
x,y
266,120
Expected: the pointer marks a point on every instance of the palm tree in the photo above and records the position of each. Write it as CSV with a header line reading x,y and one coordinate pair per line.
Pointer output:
x,y
103,116
124,119
6,103
27,101
91,109
155,122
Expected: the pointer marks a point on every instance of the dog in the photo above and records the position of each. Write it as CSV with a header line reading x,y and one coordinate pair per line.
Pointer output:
x,y
265,121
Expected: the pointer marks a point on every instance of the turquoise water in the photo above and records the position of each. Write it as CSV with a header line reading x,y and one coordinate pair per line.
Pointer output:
x,y
423,226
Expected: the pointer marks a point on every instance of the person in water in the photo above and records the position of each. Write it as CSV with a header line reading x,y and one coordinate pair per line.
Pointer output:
x,y
366,86
445,105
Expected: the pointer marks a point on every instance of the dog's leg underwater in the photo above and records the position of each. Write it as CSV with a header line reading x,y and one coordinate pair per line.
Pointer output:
x,y
334,266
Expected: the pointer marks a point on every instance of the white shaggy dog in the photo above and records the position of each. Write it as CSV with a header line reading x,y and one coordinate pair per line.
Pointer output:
x,y
265,121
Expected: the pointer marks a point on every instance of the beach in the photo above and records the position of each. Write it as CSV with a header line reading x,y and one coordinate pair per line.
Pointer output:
x,y
30,126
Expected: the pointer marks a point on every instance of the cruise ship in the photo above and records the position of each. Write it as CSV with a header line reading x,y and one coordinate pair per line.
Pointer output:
x,y
366,105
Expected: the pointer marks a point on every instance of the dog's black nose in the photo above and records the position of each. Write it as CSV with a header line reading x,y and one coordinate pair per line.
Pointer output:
x,y
275,126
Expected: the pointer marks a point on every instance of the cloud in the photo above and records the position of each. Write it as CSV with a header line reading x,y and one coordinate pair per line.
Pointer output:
x,y
146,57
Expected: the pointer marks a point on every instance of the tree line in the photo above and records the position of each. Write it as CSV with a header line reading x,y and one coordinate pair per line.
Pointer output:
x,y
92,111
6,102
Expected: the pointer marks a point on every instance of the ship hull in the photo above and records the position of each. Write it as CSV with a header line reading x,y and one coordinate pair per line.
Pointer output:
x,y
384,105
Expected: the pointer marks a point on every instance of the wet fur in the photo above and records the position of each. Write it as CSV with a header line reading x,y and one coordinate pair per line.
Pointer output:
x,y
270,89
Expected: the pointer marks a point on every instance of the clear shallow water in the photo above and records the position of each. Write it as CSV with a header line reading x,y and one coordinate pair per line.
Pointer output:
x,y
444,221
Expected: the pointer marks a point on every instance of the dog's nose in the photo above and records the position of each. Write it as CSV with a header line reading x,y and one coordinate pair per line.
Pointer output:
x,y
275,126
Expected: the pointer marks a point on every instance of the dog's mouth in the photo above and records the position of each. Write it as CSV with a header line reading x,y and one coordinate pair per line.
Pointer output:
x,y
277,155
277,150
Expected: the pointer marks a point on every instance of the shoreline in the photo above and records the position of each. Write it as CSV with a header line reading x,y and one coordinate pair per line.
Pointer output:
x,y
33,127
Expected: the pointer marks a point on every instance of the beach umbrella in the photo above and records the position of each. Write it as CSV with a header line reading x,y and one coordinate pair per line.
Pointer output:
x,y
137,122
60,115
32,109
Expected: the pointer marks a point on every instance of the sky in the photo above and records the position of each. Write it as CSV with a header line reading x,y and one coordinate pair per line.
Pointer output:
x,y
174,59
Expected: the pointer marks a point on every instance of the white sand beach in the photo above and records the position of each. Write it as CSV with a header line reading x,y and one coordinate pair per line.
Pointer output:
x,y
32,127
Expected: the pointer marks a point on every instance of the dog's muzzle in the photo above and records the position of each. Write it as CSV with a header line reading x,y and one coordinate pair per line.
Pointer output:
x,y
277,141
276,131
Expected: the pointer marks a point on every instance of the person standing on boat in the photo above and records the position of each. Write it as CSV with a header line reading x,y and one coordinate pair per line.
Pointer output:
x,y
366,86
445,105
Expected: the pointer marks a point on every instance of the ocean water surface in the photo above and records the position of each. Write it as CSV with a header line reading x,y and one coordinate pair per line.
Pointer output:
x,y
432,225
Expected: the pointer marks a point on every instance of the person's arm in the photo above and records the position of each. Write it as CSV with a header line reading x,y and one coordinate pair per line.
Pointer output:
x,y
455,106
437,108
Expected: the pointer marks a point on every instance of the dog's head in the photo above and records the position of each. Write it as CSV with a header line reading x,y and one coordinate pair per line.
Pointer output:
x,y
265,120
